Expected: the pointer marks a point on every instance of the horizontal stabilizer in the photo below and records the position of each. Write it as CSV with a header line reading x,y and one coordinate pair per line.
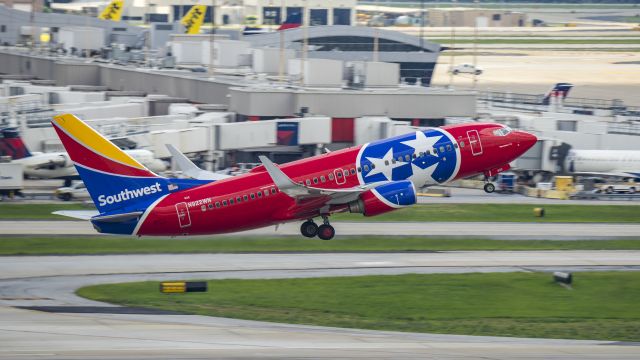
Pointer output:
x,y
118,217
77,214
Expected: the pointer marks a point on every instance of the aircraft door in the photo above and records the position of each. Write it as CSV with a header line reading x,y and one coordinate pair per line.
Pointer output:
x,y
339,176
474,142
183,215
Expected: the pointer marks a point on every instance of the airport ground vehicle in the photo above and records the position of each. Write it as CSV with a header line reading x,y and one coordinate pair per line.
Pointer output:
x,y
465,69
630,187
11,179
77,191
370,179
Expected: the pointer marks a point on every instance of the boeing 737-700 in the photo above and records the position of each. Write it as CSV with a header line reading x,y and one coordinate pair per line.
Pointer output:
x,y
370,179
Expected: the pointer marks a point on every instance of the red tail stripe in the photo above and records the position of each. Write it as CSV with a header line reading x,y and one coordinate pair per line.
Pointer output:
x,y
83,156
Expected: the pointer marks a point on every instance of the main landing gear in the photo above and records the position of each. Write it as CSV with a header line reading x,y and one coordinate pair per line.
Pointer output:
x,y
311,229
488,186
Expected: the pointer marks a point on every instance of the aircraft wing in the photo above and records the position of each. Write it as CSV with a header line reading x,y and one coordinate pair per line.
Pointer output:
x,y
190,169
312,195
616,173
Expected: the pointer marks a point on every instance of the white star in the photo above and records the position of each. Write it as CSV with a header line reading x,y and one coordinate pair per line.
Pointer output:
x,y
422,177
422,143
381,167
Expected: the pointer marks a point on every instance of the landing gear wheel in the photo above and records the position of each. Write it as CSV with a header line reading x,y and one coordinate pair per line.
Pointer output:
x,y
326,232
489,188
309,229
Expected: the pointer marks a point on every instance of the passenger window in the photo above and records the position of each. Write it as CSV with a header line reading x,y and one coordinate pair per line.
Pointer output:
x,y
427,152
308,182
415,155
441,149
366,168
239,199
407,157
399,158
323,179
210,206
353,171
259,194
340,173
315,180
224,202
346,173
245,197
217,204
435,151
448,147
386,162
266,192
273,190
231,202
461,144
359,169
455,145
253,196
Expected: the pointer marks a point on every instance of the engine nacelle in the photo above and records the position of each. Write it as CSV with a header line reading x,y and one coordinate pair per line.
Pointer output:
x,y
384,198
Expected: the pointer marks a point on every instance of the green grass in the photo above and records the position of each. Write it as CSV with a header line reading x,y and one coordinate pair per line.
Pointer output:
x,y
429,212
602,305
37,211
131,245
506,213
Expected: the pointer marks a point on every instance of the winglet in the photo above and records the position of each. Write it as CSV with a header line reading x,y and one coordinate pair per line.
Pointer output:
x,y
282,181
190,169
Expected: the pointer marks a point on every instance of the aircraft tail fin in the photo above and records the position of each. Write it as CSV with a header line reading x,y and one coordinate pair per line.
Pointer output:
x,y
194,18
113,11
11,144
116,181
293,20
558,90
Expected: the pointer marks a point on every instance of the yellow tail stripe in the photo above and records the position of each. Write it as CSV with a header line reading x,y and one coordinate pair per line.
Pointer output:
x,y
91,139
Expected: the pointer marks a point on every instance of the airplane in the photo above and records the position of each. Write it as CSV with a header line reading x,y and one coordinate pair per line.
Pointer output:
x,y
57,165
194,18
370,179
616,163
113,11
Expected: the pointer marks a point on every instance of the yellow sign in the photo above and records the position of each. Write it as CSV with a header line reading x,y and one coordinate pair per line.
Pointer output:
x,y
173,287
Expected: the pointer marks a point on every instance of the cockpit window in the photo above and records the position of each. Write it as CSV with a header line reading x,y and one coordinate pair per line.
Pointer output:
x,y
502,131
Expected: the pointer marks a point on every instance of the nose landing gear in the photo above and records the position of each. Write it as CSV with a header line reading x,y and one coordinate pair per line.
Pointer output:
x,y
324,232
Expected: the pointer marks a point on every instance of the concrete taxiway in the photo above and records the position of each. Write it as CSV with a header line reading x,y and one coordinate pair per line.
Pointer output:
x,y
494,230
74,328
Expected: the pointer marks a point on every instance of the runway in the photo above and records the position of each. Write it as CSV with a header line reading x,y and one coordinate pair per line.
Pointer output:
x,y
494,230
80,328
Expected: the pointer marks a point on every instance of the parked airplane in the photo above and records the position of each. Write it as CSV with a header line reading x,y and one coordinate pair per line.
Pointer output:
x,y
58,165
292,21
194,18
371,179
619,163
113,11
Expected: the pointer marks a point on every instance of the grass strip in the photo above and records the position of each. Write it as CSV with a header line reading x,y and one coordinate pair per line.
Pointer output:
x,y
129,245
422,212
601,305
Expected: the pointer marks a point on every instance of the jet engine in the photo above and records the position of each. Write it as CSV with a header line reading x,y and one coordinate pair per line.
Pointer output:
x,y
384,198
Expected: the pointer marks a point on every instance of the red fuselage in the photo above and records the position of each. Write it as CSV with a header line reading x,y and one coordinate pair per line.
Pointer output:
x,y
252,200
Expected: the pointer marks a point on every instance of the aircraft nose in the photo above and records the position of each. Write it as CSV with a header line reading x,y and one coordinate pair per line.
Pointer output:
x,y
526,140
